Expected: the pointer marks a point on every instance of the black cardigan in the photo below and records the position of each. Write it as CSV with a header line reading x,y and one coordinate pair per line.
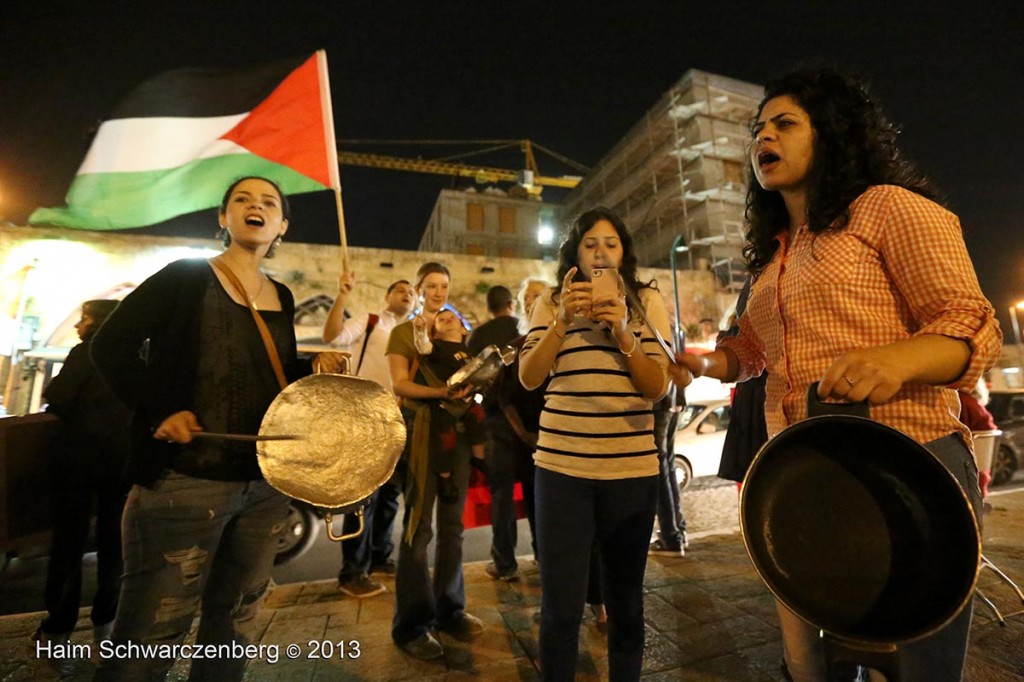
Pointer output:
x,y
148,352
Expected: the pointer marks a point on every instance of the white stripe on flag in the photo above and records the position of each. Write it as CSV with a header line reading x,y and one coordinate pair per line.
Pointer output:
x,y
131,145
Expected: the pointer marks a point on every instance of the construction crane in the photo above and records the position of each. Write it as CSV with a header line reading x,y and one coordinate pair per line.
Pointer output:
x,y
529,177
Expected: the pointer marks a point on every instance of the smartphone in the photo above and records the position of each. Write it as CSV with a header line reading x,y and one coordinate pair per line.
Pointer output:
x,y
606,284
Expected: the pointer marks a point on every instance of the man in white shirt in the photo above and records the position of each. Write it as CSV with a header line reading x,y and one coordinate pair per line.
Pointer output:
x,y
366,337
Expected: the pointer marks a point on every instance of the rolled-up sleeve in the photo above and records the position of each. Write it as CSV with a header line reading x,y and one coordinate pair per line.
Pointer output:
x,y
924,250
748,348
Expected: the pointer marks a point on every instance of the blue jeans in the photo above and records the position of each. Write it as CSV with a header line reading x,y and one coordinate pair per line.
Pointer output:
x,y
501,479
191,543
671,522
936,658
573,513
373,545
421,603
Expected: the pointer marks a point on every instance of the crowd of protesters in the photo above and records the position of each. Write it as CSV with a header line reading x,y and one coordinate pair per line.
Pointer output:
x,y
583,419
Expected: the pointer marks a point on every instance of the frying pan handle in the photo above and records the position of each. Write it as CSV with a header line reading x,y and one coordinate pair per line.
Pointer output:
x,y
329,518
818,408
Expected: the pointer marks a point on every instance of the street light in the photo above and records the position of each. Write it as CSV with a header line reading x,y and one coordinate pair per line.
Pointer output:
x,y
1015,321
678,246
545,234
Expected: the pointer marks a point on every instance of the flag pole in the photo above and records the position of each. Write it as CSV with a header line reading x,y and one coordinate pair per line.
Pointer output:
x,y
332,151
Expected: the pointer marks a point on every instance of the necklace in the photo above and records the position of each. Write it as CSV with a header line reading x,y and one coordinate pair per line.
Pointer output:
x,y
259,291
241,287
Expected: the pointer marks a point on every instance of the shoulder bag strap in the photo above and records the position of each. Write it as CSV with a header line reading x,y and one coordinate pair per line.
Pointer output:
x,y
371,322
268,341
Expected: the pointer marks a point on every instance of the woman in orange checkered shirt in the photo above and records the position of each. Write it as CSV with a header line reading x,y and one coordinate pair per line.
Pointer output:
x,y
863,283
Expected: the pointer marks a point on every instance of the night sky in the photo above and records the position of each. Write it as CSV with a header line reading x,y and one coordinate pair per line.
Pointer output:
x,y
564,74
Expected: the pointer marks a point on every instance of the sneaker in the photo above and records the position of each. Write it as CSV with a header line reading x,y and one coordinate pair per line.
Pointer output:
x,y
508,576
425,647
466,627
361,586
53,647
663,548
385,567
686,540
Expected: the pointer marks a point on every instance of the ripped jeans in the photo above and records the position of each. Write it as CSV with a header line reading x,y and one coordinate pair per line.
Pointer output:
x,y
191,543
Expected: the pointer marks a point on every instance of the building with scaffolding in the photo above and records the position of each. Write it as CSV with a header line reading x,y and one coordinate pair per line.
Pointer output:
x,y
490,223
680,171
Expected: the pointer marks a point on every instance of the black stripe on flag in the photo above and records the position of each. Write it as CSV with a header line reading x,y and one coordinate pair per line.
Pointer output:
x,y
203,93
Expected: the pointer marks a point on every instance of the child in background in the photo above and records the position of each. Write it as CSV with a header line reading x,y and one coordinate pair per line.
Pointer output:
x,y
443,351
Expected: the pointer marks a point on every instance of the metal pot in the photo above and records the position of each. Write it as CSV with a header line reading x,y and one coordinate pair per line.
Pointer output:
x,y
479,371
859,530
352,435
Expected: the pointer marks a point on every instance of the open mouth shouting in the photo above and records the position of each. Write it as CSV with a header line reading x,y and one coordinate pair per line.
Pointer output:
x,y
766,158
254,220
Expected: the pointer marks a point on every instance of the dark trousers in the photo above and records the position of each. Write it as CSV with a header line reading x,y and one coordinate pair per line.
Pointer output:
x,y
374,545
74,500
525,470
671,521
573,513
501,479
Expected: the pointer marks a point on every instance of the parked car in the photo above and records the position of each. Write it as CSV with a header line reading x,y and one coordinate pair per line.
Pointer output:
x,y
699,439
1007,407
303,527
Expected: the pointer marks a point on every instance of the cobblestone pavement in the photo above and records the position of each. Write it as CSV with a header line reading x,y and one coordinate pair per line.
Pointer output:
x,y
709,618
711,507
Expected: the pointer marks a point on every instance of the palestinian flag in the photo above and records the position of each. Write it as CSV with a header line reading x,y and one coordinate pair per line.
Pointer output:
x,y
176,143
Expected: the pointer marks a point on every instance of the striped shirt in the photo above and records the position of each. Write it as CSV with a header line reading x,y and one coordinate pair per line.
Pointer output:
x,y
595,423
899,269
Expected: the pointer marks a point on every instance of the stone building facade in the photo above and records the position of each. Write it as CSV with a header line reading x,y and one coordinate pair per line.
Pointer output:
x,y
48,272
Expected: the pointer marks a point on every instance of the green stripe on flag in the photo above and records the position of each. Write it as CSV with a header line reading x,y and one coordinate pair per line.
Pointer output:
x,y
118,201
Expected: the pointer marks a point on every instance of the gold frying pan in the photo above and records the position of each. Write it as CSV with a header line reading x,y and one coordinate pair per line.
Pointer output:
x,y
352,435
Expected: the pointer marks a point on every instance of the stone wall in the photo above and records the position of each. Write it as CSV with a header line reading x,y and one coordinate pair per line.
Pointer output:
x,y
67,267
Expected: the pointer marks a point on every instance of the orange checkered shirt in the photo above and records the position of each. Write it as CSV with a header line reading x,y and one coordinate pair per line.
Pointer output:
x,y
899,269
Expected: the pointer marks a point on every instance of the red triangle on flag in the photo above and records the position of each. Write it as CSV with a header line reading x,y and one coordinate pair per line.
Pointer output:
x,y
288,126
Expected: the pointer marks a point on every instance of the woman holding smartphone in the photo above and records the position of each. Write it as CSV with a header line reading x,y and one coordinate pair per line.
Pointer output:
x,y
597,464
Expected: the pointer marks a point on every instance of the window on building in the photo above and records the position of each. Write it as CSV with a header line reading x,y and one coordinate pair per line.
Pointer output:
x,y
507,219
475,217
732,172
508,252
475,249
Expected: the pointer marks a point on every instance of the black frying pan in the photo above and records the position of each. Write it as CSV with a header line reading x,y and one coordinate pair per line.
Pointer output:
x,y
858,529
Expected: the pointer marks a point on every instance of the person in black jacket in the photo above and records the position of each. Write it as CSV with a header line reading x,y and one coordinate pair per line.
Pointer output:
x,y
500,330
201,525
88,477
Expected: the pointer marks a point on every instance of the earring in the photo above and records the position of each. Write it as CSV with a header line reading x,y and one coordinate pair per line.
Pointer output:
x,y
273,247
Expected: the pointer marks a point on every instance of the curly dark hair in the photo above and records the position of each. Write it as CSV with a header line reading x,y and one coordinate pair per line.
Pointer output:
x,y
568,249
854,148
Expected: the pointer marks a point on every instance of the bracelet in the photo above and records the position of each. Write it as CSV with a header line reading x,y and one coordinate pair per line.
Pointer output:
x,y
554,327
631,350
